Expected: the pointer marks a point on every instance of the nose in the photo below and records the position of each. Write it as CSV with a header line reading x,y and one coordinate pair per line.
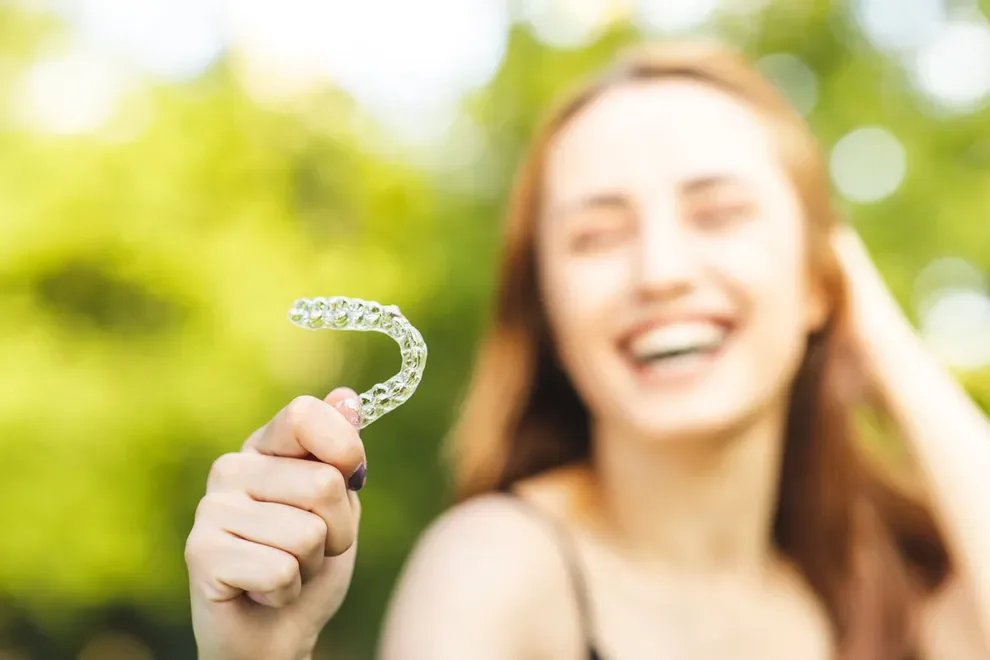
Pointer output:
x,y
666,265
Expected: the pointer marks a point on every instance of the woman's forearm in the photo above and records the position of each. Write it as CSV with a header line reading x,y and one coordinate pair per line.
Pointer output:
x,y
950,438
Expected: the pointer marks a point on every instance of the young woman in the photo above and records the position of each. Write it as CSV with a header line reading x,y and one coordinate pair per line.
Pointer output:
x,y
656,457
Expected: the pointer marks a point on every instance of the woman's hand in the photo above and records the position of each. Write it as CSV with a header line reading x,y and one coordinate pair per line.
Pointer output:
x,y
272,550
875,318
875,332
946,432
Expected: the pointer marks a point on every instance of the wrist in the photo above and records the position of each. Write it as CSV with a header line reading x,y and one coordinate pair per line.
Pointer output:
x,y
308,650
279,651
886,338
897,361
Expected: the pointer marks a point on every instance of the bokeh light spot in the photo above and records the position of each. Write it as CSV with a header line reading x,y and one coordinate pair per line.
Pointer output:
x,y
868,164
953,69
956,327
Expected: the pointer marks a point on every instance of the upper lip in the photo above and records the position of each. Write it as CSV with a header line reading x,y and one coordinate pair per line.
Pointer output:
x,y
719,318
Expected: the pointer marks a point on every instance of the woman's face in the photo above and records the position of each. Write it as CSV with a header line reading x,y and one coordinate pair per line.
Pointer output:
x,y
672,260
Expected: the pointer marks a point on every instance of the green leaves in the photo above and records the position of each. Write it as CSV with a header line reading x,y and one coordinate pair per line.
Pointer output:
x,y
145,275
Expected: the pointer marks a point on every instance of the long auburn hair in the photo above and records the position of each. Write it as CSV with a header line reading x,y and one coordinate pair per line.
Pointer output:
x,y
867,549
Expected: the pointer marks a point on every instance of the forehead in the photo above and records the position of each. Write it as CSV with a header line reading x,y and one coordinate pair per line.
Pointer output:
x,y
659,132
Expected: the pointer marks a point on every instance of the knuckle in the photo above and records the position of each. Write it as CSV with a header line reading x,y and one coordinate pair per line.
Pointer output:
x,y
300,411
193,548
340,541
314,534
328,484
200,546
284,570
214,507
226,469
203,509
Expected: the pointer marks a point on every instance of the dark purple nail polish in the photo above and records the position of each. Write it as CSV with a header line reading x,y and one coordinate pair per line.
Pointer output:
x,y
356,482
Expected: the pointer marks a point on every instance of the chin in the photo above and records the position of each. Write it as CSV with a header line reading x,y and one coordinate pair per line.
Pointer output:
x,y
688,424
712,396
709,397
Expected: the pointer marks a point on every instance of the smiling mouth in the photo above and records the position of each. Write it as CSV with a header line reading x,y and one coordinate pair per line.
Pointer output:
x,y
680,347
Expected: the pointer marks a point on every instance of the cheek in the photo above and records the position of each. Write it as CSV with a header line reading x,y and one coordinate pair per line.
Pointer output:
x,y
581,295
581,298
767,248
771,269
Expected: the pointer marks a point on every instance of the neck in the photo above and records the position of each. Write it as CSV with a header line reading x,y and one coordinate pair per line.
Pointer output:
x,y
704,504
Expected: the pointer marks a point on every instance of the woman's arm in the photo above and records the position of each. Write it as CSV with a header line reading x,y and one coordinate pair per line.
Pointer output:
x,y
485,583
946,431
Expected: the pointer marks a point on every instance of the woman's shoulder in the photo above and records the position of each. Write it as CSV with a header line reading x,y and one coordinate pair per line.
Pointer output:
x,y
489,573
512,539
498,529
522,524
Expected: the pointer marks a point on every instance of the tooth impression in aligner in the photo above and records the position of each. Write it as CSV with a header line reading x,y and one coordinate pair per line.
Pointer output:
x,y
342,313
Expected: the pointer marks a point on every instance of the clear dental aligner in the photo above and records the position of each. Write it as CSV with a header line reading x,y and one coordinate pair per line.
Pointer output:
x,y
341,313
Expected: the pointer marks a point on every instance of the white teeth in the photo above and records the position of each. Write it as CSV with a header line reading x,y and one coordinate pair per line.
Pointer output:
x,y
676,338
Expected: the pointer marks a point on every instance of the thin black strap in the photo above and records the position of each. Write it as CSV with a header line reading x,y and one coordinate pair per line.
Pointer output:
x,y
572,564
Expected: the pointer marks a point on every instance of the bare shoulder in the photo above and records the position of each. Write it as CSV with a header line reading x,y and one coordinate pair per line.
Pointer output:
x,y
484,580
950,627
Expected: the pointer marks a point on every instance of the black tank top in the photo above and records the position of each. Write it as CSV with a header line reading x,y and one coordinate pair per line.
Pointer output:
x,y
572,564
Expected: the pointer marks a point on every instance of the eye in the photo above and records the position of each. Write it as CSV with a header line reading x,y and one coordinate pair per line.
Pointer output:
x,y
714,216
600,236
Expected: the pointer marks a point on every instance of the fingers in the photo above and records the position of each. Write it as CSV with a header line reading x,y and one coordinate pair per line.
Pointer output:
x,y
309,486
295,531
271,514
309,426
347,402
224,567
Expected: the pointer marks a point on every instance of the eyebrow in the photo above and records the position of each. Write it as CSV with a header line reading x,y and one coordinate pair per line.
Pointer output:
x,y
706,183
694,186
595,200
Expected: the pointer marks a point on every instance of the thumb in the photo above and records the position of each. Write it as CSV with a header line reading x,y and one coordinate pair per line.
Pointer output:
x,y
347,402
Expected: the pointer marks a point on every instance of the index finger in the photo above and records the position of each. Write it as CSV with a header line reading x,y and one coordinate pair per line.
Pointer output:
x,y
311,427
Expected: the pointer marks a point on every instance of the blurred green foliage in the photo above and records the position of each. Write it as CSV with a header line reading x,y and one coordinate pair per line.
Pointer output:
x,y
144,283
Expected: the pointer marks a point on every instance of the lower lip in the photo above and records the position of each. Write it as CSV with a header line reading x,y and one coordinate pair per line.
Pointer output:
x,y
677,372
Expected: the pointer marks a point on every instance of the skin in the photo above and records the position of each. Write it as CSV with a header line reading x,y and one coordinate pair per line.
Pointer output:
x,y
630,238
272,549
661,199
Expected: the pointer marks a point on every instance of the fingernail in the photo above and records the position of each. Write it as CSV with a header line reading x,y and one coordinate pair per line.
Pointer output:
x,y
356,482
351,409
